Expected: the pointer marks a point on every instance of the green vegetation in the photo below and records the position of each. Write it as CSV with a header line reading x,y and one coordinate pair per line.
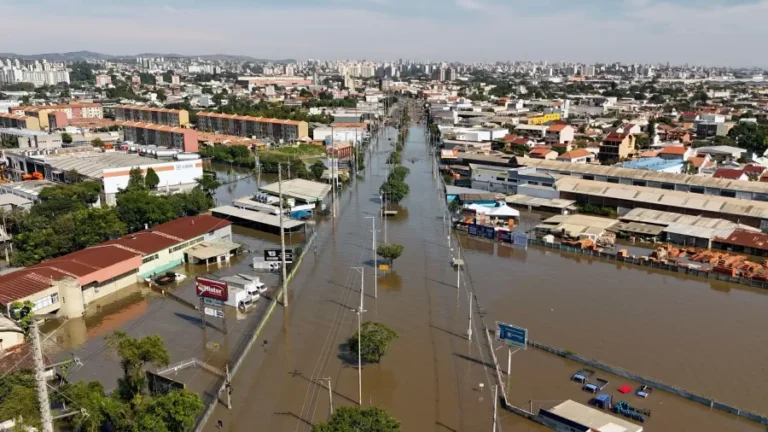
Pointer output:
x,y
151,180
82,72
597,210
242,156
359,419
65,220
374,340
390,252
750,136
66,138
243,106
129,408
317,169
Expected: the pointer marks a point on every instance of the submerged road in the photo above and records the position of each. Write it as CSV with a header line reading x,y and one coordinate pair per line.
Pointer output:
x,y
432,378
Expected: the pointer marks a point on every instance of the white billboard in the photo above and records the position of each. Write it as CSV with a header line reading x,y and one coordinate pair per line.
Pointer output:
x,y
170,173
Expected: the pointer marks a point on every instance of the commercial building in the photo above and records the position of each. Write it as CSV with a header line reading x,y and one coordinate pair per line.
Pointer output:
x,y
31,139
706,129
572,416
66,285
262,81
624,197
158,116
506,180
340,132
111,168
283,131
163,136
656,164
533,131
707,186
73,111
559,134
303,191
578,155
19,121
540,119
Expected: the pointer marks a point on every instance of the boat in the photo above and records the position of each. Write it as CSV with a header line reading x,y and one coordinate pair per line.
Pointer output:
x,y
165,279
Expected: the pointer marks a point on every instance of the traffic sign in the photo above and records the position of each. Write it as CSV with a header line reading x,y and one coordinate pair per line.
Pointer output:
x,y
213,302
210,288
512,335
214,312
274,255
383,266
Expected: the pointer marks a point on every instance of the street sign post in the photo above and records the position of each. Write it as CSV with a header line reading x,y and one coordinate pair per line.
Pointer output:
x,y
511,335
274,255
212,289
213,302
217,313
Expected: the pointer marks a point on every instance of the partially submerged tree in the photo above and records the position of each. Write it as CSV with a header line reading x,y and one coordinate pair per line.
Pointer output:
x,y
376,338
359,419
390,251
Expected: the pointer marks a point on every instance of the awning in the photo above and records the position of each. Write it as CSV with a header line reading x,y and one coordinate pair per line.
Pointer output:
x,y
504,211
300,214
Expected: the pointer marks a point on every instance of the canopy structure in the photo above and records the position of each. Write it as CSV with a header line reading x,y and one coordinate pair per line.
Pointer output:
x,y
504,211
478,208
300,214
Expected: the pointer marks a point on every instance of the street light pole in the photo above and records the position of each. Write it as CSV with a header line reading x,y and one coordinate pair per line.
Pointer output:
x,y
359,312
282,233
469,330
375,258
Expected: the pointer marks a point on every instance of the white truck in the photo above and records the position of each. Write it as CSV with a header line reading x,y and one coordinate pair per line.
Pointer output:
x,y
239,298
265,266
248,289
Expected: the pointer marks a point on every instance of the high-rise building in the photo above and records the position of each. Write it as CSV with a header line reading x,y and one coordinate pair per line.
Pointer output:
x,y
451,74
441,74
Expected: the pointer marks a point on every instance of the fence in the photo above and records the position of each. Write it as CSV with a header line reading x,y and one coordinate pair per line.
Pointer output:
x,y
210,400
650,382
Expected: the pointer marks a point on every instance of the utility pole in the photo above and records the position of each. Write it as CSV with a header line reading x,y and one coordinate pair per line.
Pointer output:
x,y
258,172
469,330
42,389
495,405
333,177
458,268
229,386
375,258
282,234
330,392
359,312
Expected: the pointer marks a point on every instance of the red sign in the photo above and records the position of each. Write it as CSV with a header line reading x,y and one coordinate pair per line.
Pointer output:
x,y
212,289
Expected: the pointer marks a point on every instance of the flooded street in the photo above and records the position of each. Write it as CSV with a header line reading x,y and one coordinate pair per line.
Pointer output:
x,y
430,378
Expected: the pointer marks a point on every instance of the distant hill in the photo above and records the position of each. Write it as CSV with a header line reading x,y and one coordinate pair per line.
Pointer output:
x,y
88,55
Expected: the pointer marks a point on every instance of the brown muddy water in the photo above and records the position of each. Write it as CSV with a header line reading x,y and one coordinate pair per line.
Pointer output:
x,y
703,336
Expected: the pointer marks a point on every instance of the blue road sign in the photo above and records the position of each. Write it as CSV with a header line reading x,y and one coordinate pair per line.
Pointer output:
x,y
512,335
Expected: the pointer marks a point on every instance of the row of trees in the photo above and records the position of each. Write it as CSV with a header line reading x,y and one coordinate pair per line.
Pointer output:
x,y
129,408
243,106
65,219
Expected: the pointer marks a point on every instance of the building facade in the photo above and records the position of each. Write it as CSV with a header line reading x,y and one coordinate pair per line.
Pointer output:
x,y
19,121
159,116
285,131
162,136
615,147
73,111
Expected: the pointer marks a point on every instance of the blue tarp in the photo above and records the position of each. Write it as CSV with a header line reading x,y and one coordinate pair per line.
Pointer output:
x,y
300,214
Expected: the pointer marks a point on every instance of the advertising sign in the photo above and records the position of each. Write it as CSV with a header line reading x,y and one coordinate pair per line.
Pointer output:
x,y
473,229
212,289
489,233
274,255
504,236
512,335
218,313
213,302
520,239
486,232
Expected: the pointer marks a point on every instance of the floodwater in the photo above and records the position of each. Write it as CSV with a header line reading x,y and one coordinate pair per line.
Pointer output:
x,y
431,377
704,336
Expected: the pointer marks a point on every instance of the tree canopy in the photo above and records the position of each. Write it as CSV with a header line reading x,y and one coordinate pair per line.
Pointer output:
x,y
359,419
390,251
374,342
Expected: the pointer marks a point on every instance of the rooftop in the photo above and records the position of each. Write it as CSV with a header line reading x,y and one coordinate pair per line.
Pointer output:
x,y
249,118
151,126
256,216
592,418
300,189
653,164
147,108
93,163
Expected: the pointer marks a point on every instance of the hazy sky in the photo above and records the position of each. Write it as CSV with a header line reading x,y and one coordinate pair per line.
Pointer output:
x,y
711,32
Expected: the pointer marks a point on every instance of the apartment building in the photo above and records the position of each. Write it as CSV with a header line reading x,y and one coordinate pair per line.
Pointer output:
x,y
73,111
559,134
285,131
163,136
159,116
616,146
19,121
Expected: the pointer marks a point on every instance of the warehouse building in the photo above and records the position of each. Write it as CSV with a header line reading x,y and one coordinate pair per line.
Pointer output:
x,y
162,136
158,116
111,168
282,131
572,416
66,285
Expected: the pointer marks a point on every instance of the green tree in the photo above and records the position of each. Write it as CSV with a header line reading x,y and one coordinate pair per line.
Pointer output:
x,y
359,419
137,209
394,191
97,142
390,251
208,184
19,402
134,354
173,412
317,169
299,169
643,142
66,138
373,340
96,225
136,180
151,180
21,312
651,127
455,206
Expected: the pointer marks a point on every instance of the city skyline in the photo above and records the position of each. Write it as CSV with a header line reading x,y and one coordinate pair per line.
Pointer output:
x,y
715,33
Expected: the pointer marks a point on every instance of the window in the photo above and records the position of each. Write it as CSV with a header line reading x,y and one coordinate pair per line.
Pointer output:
x,y
668,186
638,183
185,245
588,177
612,180
501,179
728,194
149,258
698,190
